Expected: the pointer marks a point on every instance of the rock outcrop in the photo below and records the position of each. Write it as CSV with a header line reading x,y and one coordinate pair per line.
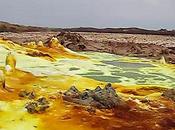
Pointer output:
x,y
73,41
38,106
105,98
169,94
27,94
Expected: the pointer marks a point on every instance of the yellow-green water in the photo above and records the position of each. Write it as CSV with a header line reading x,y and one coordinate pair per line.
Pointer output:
x,y
101,67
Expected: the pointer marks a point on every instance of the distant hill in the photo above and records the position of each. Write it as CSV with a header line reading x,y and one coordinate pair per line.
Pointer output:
x,y
8,27
124,30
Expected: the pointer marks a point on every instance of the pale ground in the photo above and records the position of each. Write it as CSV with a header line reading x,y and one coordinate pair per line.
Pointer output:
x,y
168,41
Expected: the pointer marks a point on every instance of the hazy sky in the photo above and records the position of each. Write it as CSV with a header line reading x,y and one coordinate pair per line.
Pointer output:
x,y
151,14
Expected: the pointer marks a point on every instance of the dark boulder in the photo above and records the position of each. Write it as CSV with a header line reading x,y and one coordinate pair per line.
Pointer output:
x,y
72,92
38,106
32,107
73,41
27,94
105,98
170,94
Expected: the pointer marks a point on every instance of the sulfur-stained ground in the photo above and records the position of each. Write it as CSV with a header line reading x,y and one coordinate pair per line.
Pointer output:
x,y
48,71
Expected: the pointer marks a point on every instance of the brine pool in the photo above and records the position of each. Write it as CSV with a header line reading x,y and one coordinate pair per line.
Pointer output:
x,y
101,67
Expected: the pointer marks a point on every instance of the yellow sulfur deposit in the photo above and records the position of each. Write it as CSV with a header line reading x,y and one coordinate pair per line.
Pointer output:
x,y
10,62
54,43
40,44
32,45
2,79
162,60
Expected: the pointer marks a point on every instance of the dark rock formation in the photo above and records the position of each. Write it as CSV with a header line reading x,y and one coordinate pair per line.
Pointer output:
x,y
26,94
170,94
105,98
38,106
171,55
73,41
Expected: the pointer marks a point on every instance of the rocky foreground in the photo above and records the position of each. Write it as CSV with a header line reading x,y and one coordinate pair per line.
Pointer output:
x,y
105,98
141,113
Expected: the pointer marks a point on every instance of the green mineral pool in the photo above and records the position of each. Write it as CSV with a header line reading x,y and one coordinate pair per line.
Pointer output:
x,y
102,67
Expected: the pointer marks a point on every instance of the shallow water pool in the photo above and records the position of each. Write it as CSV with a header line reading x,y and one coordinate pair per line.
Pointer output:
x,y
102,67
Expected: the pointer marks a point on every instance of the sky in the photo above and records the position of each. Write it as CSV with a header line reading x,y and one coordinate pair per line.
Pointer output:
x,y
148,14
